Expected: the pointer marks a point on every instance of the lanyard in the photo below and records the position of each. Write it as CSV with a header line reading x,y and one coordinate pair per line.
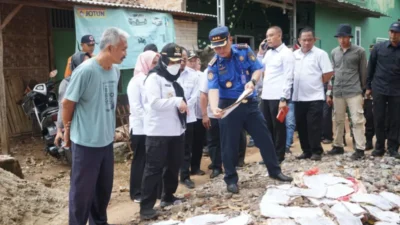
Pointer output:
x,y
243,75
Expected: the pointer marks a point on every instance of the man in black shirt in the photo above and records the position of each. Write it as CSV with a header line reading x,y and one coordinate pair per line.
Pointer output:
x,y
383,82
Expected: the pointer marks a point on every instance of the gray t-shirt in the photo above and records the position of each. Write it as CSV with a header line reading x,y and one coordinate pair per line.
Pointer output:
x,y
95,92
61,92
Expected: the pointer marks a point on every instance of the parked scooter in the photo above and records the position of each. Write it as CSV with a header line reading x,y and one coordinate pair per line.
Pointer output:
x,y
41,105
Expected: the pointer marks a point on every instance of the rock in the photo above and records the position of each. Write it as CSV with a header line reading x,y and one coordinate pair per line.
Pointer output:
x,y
11,164
123,189
396,188
385,166
381,183
338,164
198,202
121,151
386,173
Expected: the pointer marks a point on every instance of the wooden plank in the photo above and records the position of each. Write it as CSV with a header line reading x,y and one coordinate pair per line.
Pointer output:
x,y
10,16
5,142
47,4
11,116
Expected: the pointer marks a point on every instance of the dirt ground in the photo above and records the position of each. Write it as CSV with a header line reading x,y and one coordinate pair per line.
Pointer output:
x,y
54,174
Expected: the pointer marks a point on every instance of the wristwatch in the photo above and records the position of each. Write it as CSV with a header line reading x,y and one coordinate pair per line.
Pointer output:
x,y
254,82
283,99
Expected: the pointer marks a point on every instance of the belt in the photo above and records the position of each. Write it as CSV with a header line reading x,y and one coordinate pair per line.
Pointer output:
x,y
246,100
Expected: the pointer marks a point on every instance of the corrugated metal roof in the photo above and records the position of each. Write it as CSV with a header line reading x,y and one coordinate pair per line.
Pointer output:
x,y
135,5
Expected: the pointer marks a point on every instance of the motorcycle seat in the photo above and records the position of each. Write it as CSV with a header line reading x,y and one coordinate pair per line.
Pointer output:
x,y
49,110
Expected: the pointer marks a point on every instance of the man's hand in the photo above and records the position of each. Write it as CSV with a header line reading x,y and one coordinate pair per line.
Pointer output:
x,y
368,93
206,122
67,139
261,51
249,86
59,137
183,107
218,113
329,100
282,104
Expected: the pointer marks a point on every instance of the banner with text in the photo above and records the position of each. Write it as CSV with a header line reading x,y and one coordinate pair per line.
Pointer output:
x,y
142,26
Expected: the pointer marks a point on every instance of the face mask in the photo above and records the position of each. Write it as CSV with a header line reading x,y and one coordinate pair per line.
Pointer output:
x,y
173,69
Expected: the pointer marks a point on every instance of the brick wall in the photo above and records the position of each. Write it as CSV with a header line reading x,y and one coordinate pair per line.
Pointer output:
x,y
165,4
186,33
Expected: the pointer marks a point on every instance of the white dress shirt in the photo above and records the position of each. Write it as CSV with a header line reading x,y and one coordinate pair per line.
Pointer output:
x,y
189,81
309,68
278,73
197,106
161,117
204,88
135,92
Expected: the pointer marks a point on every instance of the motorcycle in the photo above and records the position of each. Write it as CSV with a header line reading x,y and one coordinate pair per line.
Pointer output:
x,y
41,105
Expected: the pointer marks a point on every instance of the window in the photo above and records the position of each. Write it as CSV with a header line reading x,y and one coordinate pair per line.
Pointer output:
x,y
242,39
358,36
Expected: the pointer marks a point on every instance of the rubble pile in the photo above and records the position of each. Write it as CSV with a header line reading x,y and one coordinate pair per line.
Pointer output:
x,y
333,191
25,202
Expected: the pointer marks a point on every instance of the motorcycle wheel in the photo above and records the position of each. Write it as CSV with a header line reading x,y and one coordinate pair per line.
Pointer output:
x,y
68,156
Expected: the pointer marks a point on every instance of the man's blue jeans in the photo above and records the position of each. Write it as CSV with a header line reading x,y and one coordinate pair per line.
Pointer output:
x,y
290,125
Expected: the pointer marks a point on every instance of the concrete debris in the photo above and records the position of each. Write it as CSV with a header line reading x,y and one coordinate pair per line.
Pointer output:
x,y
243,219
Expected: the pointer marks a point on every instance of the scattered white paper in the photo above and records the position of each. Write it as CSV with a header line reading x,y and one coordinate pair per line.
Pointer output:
x,y
315,221
323,201
280,222
169,222
206,219
384,223
393,198
344,216
372,199
230,108
323,180
313,193
355,209
386,216
243,219
303,212
276,196
273,211
338,190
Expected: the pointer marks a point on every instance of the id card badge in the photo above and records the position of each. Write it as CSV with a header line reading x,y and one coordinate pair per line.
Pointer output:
x,y
243,78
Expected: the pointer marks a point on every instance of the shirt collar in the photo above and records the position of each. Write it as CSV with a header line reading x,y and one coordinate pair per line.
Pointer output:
x,y
234,52
311,50
278,49
389,44
350,48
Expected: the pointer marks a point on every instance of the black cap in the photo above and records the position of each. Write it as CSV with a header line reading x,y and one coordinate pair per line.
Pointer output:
x,y
172,51
192,55
88,39
395,27
344,30
219,36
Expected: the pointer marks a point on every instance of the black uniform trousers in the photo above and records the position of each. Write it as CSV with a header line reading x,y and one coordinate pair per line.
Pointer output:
x,y
91,184
214,144
308,122
242,146
327,129
391,118
164,157
187,159
199,133
369,118
277,129
246,116
138,146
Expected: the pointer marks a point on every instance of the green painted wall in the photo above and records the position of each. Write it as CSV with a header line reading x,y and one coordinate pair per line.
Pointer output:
x,y
64,47
327,20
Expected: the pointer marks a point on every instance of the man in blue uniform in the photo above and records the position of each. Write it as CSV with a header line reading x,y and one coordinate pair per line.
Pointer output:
x,y
234,69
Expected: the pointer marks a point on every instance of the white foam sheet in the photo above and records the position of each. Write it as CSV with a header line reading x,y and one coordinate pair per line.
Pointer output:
x,y
354,208
280,222
372,199
393,198
169,222
323,201
315,221
343,215
338,190
385,216
384,223
323,180
276,196
243,219
303,212
313,193
273,211
206,219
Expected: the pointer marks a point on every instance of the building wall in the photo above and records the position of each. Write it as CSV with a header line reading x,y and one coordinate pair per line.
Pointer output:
x,y
327,20
26,56
165,4
186,33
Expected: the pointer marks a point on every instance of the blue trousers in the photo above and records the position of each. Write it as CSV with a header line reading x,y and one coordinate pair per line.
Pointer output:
x,y
290,124
249,117
91,184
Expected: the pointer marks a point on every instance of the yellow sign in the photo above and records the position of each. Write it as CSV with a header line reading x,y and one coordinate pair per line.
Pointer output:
x,y
228,84
91,13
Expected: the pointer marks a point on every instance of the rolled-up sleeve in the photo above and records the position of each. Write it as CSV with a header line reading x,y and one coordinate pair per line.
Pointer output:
x,y
325,63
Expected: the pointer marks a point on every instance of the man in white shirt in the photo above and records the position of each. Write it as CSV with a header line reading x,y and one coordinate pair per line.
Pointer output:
x,y
312,69
189,82
278,65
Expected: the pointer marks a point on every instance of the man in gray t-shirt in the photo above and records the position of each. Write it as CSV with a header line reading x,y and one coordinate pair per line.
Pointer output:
x,y
89,121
